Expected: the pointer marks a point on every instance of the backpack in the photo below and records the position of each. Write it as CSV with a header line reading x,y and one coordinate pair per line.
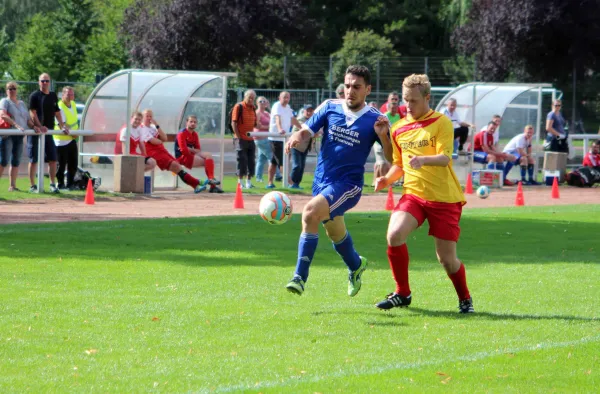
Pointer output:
x,y
584,176
240,112
80,180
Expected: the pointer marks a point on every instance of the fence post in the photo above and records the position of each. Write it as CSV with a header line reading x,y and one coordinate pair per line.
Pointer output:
x,y
426,65
377,84
330,74
284,70
474,69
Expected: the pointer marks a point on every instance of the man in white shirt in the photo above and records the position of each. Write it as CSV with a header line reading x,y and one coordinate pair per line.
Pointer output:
x,y
518,150
461,129
282,119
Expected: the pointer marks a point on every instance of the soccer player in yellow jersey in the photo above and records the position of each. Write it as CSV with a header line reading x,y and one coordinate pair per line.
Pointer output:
x,y
423,144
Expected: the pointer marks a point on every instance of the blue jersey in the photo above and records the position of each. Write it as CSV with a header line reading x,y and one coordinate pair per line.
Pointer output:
x,y
347,141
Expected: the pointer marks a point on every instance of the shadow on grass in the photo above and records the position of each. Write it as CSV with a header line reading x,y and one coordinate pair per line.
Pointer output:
x,y
497,316
248,241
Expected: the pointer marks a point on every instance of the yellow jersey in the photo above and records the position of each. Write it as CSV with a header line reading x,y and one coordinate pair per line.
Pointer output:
x,y
431,134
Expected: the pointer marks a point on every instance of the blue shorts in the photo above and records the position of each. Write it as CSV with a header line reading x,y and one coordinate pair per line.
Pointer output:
x,y
341,197
49,148
11,147
480,157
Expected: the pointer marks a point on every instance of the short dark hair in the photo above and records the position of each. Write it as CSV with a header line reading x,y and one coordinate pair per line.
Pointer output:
x,y
492,123
360,71
597,142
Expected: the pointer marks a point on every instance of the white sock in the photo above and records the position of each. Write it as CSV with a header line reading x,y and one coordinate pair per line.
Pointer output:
x,y
248,183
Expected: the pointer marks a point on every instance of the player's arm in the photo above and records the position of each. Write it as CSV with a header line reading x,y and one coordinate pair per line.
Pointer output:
x,y
309,128
142,146
296,123
162,136
444,145
587,162
278,124
183,145
37,125
382,128
395,172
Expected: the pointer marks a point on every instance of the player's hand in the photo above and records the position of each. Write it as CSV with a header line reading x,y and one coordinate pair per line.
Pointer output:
x,y
415,162
382,126
381,183
43,129
292,142
66,130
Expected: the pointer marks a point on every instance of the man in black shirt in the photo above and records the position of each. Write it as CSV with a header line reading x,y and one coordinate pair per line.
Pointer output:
x,y
43,107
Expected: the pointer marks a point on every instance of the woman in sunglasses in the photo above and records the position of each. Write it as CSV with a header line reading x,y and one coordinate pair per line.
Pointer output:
x,y
14,112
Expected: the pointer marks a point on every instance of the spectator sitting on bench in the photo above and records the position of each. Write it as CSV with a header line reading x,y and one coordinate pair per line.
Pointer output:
x,y
485,153
135,141
592,158
154,138
190,155
519,147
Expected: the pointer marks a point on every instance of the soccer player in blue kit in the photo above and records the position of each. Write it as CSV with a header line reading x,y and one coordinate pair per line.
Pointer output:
x,y
350,128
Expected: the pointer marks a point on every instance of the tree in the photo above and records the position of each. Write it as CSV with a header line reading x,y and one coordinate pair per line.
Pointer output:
x,y
531,40
365,48
209,34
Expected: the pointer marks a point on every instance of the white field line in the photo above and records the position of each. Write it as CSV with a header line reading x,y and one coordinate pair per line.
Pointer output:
x,y
398,366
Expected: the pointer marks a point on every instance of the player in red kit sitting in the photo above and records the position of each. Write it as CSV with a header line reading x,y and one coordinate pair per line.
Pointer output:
x,y
135,141
154,138
189,154
592,158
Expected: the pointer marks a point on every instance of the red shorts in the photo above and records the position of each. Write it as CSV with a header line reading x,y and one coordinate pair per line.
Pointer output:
x,y
163,159
186,160
443,217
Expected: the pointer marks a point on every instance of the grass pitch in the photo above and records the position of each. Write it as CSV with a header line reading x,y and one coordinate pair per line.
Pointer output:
x,y
199,305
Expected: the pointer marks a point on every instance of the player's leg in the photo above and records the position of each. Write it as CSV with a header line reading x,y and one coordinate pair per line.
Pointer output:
x,y
51,157
273,165
455,269
444,221
313,214
530,168
176,168
149,164
508,165
32,153
523,165
406,218
251,153
344,246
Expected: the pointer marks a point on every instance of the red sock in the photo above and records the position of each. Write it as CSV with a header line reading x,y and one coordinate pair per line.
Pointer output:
x,y
209,168
188,179
459,280
398,258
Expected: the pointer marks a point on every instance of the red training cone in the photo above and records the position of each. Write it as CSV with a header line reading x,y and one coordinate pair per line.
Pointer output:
x,y
389,204
89,193
469,185
238,203
555,192
520,199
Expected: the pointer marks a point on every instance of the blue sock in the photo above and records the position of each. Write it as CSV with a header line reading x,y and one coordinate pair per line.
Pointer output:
x,y
345,248
456,144
491,166
507,168
500,166
306,251
523,170
529,171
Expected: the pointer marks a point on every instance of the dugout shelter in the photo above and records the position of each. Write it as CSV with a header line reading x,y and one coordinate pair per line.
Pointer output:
x,y
172,96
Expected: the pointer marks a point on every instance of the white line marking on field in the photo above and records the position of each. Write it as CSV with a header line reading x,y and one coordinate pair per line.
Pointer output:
x,y
399,366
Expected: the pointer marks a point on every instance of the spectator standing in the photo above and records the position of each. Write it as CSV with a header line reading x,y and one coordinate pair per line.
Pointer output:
x,y
282,119
556,139
592,158
339,91
263,146
43,108
66,144
243,120
189,153
14,112
461,129
135,141
300,151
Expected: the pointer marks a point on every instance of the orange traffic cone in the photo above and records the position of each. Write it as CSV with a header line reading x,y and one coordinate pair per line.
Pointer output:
x,y
89,193
238,203
520,200
389,204
555,192
469,185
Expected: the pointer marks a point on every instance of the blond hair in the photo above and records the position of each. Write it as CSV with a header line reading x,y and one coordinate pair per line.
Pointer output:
x,y
136,114
420,81
148,111
191,117
11,84
529,126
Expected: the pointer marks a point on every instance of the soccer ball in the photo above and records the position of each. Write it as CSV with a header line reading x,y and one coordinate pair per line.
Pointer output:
x,y
483,192
275,208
